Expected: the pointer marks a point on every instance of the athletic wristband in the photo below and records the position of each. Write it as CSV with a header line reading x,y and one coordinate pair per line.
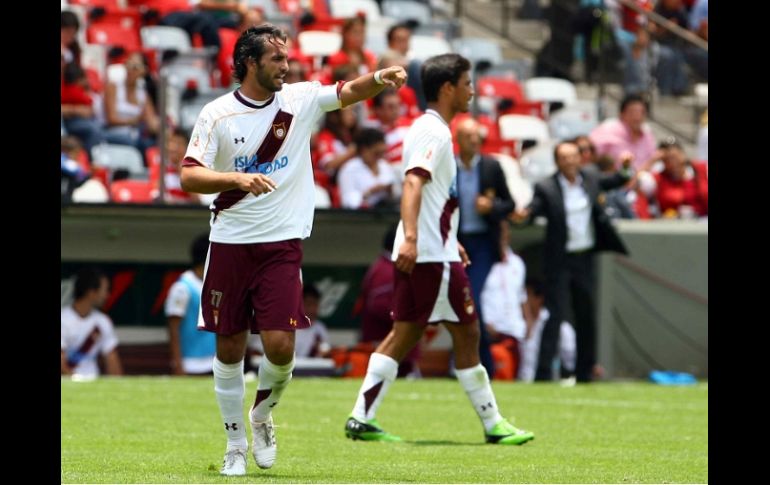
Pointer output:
x,y
378,77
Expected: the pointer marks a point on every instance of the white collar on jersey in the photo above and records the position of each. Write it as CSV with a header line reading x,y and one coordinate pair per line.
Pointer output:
x,y
436,114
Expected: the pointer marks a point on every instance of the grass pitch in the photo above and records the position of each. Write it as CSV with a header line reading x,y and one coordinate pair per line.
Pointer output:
x,y
167,430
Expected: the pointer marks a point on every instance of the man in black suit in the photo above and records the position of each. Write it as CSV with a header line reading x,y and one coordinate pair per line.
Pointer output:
x,y
573,203
484,203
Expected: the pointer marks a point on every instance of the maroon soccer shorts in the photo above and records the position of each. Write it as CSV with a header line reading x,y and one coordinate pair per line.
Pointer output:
x,y
253,286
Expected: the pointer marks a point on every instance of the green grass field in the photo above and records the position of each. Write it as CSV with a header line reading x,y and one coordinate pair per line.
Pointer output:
x,y
166,430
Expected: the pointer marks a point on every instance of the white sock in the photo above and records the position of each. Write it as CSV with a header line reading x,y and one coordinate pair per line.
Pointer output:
x,y
475,381
230,388
273,379
380,374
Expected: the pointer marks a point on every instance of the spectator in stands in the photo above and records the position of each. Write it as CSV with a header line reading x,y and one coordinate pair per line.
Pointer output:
x,y
70,49
410,106
176,146
129,111
399,35
87,333
577,227
312,341
504,304
225,13
627,133
73,172
366,181
335,141
697,58
484,202
296,72
375,301
77,107
192,351
619,203
352,53
681,188
670,70
587,150
530,347
634,42
387,118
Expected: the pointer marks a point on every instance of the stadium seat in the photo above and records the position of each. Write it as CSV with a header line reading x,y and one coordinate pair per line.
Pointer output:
x,y
550,90
351,8
163,38
116,157
407,10
318,43
578,119
478,49
521,128
114,35
422,47
133,191
537,163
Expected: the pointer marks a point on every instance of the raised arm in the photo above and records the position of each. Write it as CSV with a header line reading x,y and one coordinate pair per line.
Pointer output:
x,y
366,86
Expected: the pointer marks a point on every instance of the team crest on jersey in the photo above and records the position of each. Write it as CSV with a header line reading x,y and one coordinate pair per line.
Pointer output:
x,y
279,130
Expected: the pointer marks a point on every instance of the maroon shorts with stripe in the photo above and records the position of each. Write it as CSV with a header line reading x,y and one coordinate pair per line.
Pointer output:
x,y
433,293
253,286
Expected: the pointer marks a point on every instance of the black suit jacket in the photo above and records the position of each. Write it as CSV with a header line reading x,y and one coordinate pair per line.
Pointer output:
x,y
548,201
492,183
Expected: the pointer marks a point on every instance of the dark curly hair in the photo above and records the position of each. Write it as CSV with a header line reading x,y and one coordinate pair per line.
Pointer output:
x,y
251,44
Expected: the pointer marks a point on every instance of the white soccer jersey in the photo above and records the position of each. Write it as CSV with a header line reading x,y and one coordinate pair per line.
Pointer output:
x,y
83,339
503,294
233,134
428,151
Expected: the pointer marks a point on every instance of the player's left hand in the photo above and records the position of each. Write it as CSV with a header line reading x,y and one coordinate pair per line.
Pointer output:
x,y
394,76
463,256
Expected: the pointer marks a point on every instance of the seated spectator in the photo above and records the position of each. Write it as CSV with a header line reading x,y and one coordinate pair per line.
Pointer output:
x,y
531,346
410,107
77,107
681,188
129,111
367,180
352,52
73,172
335,141
176,146
627,133
670,70
505,310
87,333
192,351
388,119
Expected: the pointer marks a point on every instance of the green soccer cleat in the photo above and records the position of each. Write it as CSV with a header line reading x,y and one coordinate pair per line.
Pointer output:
x,y
367,431
504,433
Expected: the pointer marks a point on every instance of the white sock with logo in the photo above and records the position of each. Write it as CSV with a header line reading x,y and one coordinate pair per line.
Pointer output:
x,y
230,388
475,381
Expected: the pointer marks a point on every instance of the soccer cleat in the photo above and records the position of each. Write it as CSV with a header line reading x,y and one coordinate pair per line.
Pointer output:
x,y
504,433
234,463
367,431
263,445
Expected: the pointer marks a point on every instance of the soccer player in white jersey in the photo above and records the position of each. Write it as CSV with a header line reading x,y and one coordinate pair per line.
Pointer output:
x,y
431,284
252,147
86,332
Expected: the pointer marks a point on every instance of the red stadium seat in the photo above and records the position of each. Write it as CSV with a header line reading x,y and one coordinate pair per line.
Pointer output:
x,y
114,35
133,191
